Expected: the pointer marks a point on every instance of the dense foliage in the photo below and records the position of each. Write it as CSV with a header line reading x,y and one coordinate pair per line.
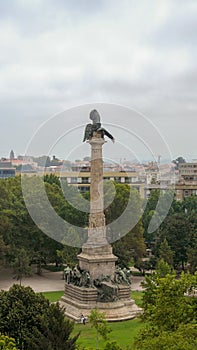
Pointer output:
x,y
170,312
176,238
7,343
125,212
23,243
18,232
33,322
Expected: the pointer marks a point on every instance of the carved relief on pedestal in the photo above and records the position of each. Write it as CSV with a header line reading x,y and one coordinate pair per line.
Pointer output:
x,y
97,220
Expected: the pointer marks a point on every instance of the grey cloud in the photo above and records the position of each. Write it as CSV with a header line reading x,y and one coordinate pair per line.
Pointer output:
x,y
85,7
33,18
71,52
179,29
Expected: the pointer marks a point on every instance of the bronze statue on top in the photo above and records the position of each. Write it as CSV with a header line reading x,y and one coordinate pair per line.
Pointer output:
x,y
95,127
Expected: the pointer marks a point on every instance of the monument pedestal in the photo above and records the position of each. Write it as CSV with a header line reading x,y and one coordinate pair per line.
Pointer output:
x,y
79,300
97,260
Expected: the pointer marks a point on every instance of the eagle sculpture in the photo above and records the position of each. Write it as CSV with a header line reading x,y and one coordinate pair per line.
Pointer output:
x,y
95,126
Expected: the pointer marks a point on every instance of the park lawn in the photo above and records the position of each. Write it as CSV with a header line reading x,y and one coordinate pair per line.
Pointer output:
x,y
137,296
123,333
53,296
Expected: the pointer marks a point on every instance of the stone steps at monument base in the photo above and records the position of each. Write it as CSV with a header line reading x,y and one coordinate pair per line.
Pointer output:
x,y
81,294
114,311
124,292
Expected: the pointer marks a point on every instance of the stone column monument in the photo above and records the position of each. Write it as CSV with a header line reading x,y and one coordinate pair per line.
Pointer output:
x,y
96,253
97,282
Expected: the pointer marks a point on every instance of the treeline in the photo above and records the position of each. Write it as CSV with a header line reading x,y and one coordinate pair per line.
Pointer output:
x,y
23,243
175,240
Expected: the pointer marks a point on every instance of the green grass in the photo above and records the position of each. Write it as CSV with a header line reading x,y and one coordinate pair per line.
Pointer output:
x,y
123,333
137,296
137,273
53,296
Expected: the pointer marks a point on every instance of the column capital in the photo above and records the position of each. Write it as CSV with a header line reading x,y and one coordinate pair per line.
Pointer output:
x,y
96,140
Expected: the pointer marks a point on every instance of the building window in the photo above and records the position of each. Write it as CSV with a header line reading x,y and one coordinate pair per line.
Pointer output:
x,y
73,180
117,179
85,180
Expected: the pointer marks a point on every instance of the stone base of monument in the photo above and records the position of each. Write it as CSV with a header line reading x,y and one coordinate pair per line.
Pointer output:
x,y
80,300
97,260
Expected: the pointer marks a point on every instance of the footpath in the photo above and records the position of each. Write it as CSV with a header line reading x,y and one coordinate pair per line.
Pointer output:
x,y
48,281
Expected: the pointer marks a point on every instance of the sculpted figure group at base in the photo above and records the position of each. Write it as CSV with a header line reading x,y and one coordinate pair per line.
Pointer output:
x,y
78,277
81,278
122,276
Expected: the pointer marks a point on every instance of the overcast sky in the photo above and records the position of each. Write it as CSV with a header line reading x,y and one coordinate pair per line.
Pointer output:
x,y
56,55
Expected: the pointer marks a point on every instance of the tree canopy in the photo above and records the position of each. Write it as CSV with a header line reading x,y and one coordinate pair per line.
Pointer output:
x,y
7,343
175,240
33,322
170,313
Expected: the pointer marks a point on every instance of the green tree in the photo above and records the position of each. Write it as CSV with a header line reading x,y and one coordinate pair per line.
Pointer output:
x,y
137,244
17,227
165,252
163,268
54,332
52,179
131,246
21,310
149,211
166,305
189,205
123,212
192,247
169,313
185,338
21,264
120,195
68,255
156,210
178,230
98,322
192,258
25,316
7,343
3,251
112,345
76,207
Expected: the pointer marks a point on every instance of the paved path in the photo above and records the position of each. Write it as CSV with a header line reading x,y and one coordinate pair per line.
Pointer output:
x,y
48,282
